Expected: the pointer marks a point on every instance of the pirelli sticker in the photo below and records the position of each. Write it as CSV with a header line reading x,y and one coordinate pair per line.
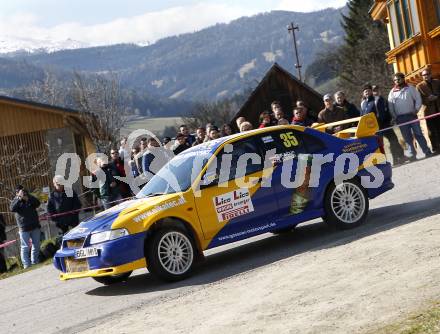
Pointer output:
x,y
233,204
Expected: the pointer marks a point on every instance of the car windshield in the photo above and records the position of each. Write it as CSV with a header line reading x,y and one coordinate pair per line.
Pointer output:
x,y
177,175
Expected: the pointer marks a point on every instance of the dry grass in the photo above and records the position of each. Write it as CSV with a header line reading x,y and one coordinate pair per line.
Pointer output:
x,y
426,321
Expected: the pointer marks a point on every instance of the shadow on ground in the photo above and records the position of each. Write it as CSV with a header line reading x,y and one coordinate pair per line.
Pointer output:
x,y
310,237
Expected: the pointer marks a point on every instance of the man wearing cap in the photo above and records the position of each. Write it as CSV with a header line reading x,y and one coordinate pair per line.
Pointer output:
x,y
331,113
25,207
429,89
405,102
63,207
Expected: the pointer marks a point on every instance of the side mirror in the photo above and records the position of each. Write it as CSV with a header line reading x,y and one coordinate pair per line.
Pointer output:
x,y
208,180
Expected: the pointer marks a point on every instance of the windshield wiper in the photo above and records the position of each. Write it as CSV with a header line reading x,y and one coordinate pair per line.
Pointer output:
x,y
155,194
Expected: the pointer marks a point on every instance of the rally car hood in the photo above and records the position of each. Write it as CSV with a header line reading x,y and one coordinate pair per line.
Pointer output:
x,y
100,222
103,221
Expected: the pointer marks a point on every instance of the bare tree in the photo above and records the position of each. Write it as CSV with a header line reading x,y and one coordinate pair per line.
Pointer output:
x,y
16,169
218,113
99,100
50,90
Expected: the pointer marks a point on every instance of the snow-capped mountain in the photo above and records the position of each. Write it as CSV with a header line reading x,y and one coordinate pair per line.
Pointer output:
x,y
9,44
213,63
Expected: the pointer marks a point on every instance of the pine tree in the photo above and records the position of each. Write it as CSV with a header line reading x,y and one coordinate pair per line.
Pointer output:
x,y
356,22
361,58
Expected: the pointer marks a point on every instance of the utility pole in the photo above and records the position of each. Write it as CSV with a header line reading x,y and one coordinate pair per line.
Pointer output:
x,y
291,29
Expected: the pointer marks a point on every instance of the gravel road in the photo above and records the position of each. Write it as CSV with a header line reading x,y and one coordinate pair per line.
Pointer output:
x,y
314,280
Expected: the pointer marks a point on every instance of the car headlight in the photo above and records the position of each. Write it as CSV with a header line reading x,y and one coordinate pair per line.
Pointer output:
x,y
96,238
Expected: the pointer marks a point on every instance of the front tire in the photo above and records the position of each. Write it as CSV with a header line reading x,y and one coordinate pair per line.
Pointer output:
x,y
170,254
109,280
346,205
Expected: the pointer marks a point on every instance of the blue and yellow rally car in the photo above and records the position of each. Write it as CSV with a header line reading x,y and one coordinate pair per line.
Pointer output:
x,y
232,188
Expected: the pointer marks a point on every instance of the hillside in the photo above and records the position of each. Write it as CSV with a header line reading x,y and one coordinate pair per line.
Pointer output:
x,y
215,62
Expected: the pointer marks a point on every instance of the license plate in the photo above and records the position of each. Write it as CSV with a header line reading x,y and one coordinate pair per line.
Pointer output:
x,y
86,252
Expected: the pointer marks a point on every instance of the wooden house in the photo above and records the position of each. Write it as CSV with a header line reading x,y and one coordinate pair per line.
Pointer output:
x,y
280,85
414,35
32,137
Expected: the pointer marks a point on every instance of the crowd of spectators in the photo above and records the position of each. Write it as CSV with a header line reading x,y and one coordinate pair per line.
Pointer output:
x,y
400,108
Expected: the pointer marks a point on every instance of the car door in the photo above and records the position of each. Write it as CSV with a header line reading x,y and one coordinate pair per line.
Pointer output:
x,y
231,203
291,177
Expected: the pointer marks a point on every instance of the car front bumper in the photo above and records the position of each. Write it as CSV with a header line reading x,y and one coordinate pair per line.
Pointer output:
x,y
114,257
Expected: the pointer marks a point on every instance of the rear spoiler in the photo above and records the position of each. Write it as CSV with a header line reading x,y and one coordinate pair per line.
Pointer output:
x,y
366,126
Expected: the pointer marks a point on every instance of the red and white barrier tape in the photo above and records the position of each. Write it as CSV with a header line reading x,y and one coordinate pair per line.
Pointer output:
x,y
7,243
47,216
409,122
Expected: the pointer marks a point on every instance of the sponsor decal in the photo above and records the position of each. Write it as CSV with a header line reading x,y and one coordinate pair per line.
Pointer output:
x,y
267,139
371,124
354,147
159,208
252,230
301,195
115,209
77,230
279,157
233,204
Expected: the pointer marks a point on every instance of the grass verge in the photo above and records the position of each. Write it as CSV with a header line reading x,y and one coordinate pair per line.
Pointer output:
x,y
15,267
426,321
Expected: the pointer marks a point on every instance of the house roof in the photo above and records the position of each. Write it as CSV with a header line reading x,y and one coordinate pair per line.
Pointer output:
x,y
56,117
276,69
37,105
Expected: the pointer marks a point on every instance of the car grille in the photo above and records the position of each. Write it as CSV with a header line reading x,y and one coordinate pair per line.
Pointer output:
x,y
76,265
75,243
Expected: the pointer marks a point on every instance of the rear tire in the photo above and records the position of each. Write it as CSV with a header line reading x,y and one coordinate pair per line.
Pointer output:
x,y
108,280
346,206
170,254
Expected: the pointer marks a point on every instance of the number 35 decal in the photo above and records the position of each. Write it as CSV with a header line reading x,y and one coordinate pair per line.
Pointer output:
x,y
289,140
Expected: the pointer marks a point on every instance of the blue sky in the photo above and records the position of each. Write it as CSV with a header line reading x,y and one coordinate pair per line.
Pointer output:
x,y
99,22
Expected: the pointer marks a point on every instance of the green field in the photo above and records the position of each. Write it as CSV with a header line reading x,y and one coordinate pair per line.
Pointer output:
x,y
155,125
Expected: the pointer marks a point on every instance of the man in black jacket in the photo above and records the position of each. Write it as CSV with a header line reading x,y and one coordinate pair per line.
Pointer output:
x,y
350,109
181,144
60,203
108,191
373,102
25,207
